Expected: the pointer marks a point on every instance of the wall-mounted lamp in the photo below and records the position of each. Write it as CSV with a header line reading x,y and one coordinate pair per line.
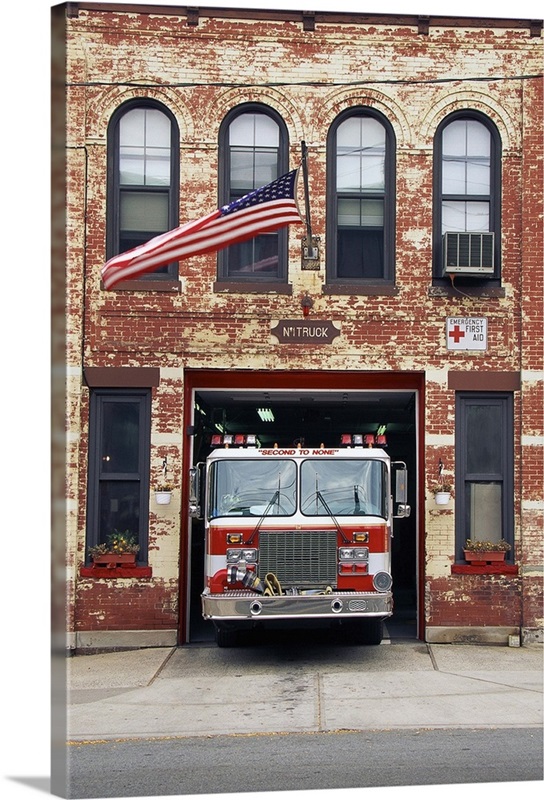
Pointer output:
x,y
306,303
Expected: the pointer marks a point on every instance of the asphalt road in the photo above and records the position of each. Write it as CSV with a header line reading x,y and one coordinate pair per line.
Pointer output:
x,y
292,762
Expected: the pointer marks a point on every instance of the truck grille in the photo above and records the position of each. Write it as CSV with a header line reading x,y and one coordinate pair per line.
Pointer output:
x,y
299,558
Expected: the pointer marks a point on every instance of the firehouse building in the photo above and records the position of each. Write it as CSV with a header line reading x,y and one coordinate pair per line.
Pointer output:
x,y
407,305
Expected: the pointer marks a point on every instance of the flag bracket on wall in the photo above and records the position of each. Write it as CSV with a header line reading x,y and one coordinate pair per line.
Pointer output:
x,y
310,252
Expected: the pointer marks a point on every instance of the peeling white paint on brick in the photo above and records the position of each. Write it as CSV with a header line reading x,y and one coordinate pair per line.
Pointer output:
x,y
532,441
532,376
532,505
158,439
439,440
439,376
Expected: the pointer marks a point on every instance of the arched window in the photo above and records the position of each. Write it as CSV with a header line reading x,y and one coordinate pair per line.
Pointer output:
x,y
467,197
361,189
253,147
143,172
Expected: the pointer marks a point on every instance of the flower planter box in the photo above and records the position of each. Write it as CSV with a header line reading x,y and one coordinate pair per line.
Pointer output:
x,y
442,498
484,556
163,498
112,560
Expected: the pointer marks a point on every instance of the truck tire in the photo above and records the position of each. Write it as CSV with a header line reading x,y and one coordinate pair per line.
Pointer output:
x,y
365,631
226,637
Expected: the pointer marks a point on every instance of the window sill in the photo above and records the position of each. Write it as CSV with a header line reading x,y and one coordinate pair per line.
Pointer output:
x,y
470,291
170,285
484,569
115,572
361,289
260,287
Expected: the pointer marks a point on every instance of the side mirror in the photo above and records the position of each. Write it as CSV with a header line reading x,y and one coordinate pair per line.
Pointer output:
x,y
401,490
195,505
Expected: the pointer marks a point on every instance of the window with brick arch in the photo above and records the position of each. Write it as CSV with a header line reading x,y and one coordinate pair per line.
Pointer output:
x,y
360,199
143,178
253,151
467,188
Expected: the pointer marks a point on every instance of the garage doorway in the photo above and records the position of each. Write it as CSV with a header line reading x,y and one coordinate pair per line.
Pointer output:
x,y
313,415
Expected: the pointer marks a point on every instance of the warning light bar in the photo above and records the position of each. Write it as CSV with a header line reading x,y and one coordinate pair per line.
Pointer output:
x,y
234,440
360,439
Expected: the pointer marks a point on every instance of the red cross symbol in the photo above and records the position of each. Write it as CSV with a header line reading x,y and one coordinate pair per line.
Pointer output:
x,y
456,334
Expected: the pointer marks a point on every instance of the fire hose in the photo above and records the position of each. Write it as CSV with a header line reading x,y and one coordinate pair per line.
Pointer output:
x,y
269,587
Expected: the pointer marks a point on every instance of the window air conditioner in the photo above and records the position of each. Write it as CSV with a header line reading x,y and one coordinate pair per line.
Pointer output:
x,y
471,254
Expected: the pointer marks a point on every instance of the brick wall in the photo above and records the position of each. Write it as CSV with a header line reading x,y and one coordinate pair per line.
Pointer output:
x,y
308,77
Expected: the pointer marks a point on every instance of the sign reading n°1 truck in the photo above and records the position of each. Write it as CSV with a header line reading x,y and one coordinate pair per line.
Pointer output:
x,y
466,333
296,534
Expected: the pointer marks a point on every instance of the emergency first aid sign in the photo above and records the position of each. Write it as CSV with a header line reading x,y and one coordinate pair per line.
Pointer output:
x,y
466,333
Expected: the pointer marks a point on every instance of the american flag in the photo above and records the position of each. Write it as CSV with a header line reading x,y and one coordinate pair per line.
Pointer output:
x,y
264,210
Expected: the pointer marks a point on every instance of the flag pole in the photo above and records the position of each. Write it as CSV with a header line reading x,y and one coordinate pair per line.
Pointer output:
x,y
306,192
310,246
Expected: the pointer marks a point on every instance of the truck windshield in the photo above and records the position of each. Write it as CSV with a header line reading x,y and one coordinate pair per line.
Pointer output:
x,y
343,487
252,488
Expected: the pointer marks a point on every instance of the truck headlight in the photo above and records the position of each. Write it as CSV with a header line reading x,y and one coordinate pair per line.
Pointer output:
x,y
353,554
234,556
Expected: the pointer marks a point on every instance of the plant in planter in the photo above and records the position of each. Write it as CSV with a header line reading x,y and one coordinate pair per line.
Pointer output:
x,y
441,490
479,550
120,547
163,493
442,493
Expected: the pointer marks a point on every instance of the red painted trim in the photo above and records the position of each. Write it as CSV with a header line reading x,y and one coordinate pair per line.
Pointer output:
x,y
302,380
484,569
122,377
484,381
115,572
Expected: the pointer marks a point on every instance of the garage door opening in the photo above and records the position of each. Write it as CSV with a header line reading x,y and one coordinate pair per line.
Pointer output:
x,y
313,418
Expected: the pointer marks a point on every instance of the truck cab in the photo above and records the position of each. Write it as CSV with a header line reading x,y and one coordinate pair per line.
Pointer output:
x,y
295,534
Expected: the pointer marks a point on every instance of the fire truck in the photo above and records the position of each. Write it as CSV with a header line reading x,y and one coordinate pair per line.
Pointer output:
x,y
298,533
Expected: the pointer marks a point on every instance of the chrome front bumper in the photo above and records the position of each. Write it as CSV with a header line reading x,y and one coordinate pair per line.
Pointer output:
x,y
238,605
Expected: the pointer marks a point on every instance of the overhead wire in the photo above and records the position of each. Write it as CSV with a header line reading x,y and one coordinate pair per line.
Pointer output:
x,y
314,83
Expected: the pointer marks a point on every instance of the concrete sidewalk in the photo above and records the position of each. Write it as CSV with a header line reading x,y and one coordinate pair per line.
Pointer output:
x,y
201,690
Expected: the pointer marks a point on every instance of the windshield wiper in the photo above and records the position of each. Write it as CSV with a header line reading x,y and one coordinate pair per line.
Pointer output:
x,y
319,496
356,499
275,497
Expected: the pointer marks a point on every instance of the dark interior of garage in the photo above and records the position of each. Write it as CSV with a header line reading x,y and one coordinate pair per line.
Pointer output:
x,y
315,418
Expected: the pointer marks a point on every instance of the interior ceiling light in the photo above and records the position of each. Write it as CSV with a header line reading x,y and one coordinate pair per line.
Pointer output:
x,y
265,414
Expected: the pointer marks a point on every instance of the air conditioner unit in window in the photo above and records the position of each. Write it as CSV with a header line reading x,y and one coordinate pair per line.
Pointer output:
x,y
471,254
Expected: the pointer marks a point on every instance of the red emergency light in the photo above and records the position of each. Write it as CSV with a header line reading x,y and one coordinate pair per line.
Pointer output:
x,y
352,440
360,439
238,440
